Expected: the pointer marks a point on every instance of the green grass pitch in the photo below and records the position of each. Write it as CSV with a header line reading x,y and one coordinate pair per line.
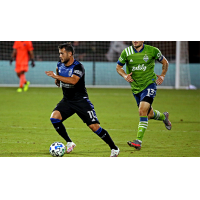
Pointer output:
x,y
26,131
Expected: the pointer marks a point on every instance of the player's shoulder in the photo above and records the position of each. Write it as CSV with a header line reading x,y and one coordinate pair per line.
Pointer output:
x,y
148,46
127,51
16,44
129,47
155,52
28,42
77,64
152,48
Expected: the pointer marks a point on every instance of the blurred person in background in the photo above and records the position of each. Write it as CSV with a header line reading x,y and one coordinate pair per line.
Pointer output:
x,y
80,50
115,49
22,52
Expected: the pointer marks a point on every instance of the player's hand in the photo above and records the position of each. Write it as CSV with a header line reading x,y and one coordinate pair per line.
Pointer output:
x,y
11,60
32,63
50,73
57,82
128,78
160,79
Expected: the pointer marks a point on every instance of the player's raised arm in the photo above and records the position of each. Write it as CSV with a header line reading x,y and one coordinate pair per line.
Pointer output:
x,y
121,72
161,77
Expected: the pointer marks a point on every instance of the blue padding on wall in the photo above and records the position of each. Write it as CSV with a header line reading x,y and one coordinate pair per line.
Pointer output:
x,y
105,74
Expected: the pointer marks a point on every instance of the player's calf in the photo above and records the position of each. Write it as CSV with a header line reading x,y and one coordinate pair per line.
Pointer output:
x,y
60,128
104,135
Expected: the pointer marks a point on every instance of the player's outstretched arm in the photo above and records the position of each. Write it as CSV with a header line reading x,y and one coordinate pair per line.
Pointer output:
x,y
161,77
70,80
121,72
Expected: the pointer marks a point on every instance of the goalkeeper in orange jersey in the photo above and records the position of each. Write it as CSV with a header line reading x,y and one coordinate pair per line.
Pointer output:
x,y
140,62
22,52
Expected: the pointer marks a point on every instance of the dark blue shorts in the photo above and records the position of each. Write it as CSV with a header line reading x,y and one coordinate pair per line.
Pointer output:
x,y
148,93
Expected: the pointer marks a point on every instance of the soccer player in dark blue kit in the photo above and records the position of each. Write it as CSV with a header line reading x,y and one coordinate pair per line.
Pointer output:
x,y
70,73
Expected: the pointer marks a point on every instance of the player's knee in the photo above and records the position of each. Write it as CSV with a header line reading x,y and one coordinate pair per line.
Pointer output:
x,y
56,115
144,108
143,111
94,127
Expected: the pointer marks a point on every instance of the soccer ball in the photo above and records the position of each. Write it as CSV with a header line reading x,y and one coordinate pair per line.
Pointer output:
x,y
57,149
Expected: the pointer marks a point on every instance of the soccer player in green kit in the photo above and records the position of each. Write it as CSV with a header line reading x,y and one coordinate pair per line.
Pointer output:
x,y
140,62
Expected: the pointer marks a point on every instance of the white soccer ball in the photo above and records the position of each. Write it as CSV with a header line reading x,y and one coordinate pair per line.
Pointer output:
x,y
57,149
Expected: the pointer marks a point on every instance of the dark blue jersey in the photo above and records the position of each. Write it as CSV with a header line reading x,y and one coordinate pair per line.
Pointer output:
x,y
77,91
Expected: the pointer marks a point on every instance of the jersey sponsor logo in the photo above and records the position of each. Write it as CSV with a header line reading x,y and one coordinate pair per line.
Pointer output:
x,y
146,58
66,85
139,67
78,72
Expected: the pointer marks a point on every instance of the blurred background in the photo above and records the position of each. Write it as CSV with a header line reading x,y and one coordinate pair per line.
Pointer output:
x,y
99,59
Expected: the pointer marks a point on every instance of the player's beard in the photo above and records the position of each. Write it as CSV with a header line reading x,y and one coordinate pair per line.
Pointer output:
x,y
66,61
138,46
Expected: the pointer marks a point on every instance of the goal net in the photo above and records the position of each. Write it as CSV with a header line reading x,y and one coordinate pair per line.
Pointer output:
x,y
99,59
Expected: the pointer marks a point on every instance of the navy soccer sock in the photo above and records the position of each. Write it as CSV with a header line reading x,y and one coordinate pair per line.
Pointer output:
x,y
103,134
60,128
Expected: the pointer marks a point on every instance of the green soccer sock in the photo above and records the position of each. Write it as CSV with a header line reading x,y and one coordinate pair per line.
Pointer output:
x,y
158,115
142,127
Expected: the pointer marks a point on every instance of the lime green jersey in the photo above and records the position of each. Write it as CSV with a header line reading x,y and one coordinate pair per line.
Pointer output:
x,y
141,64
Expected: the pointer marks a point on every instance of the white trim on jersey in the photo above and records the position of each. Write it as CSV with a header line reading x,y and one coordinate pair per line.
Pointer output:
x,y
129,51
126,51
132,50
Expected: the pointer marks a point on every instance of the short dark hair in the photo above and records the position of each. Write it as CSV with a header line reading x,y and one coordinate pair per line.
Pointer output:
x,y
68,47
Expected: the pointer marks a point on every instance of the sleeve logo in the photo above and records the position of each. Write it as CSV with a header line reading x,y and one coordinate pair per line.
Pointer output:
x,y
80,73
159,55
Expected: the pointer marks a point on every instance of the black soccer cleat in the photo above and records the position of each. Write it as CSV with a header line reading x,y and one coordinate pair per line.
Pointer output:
x,y
166,121
136,144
